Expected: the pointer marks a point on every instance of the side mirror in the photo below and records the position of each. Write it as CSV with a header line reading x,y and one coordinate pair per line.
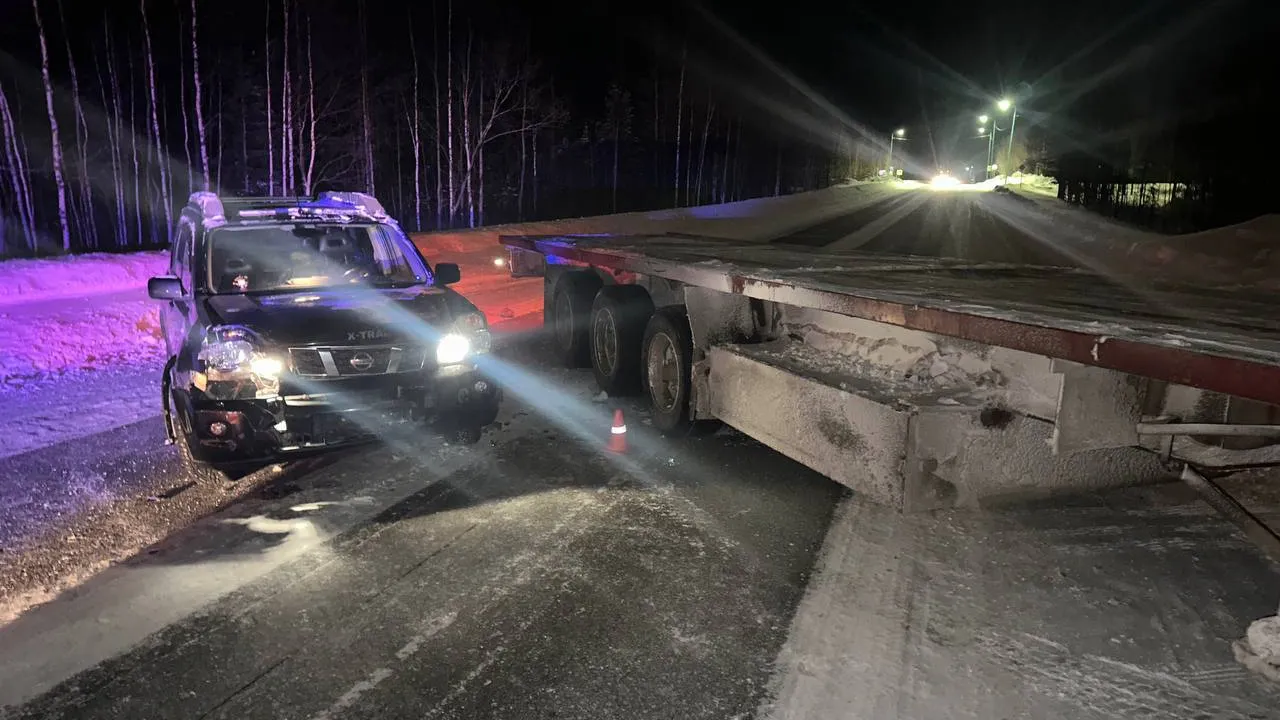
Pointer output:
x,y
447,273
165,287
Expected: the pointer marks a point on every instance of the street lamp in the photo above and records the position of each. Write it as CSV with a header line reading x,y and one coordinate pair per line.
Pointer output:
x,y
900,135
1006,105
983,119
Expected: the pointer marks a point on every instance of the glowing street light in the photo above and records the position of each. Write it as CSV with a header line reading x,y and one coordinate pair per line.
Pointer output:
x,y
982,130
1006,105
901,136
983,119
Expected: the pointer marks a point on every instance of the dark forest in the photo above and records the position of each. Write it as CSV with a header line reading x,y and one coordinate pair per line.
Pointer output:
x,y
444,110
459,114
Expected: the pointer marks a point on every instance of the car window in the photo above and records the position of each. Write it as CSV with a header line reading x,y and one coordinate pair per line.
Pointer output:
x,y
282,257
180,253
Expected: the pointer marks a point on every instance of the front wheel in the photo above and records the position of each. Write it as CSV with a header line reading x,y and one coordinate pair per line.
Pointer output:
x,y
667,366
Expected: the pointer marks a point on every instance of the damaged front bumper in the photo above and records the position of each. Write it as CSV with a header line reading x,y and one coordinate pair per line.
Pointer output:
x,y
333,414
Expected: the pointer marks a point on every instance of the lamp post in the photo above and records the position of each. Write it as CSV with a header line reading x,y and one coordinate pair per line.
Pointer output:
x,y
990,138
1007,105
899,134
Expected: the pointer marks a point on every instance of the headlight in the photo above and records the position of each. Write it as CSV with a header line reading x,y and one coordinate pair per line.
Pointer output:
x,y
232,364
267,367
226,348
452,348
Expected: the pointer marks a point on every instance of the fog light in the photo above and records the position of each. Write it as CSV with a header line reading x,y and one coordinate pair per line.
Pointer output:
x,y
217,429
481,386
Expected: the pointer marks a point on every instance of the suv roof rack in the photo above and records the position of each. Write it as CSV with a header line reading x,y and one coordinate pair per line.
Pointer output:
x,y
346,205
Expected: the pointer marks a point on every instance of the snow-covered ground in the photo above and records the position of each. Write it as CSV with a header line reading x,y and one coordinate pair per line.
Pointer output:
x,y
1118,605
77,276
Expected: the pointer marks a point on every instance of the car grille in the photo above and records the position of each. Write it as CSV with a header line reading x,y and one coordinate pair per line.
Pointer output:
x,y
355,361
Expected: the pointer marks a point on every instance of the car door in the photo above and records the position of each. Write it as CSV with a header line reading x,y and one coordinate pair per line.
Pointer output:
x,y
178,315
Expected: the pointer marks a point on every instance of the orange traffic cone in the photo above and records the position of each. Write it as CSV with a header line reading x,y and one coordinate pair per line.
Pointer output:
x,y
618,434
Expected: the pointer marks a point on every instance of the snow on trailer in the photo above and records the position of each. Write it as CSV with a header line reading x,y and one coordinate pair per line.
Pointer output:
x,y
927,382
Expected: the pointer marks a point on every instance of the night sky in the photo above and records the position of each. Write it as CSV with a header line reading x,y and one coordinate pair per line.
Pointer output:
x,y
780,97
928,65
1083,68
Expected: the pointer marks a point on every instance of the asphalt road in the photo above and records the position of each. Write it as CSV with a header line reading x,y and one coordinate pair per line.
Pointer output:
x,y
970,225
538,576
534,575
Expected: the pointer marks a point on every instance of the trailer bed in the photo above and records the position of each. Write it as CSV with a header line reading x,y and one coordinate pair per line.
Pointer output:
x,y
1220,339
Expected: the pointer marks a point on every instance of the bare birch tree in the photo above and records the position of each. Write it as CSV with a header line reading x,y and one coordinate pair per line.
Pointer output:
x,y
367,121
19,178
133,147
56,149
684,56
186,119
435,81
616,126
286,107
162,158
88,229
702,151
415,130
271,143
115,130
309,178
195,83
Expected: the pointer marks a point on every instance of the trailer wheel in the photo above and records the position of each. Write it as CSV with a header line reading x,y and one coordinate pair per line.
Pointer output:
x,y
618,318
571,313
667,373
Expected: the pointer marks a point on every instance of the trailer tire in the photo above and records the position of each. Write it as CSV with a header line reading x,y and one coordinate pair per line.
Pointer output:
x,y
618,319
667,351
570,317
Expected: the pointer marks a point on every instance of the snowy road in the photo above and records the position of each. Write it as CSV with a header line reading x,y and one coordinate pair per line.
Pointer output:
x,y
535,576
531,575
964,224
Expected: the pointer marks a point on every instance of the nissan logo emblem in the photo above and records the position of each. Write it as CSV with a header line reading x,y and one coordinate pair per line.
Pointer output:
x,y
361,361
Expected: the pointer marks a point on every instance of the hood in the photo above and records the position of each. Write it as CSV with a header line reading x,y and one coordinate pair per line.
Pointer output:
x,y
336,316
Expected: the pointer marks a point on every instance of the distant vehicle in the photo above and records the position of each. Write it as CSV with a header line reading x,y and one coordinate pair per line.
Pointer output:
x,y
302,324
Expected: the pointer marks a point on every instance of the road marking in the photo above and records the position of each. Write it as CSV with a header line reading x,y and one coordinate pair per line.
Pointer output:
x,y
373,679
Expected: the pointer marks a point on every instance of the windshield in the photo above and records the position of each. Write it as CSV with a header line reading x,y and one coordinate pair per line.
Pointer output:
x,y
289,257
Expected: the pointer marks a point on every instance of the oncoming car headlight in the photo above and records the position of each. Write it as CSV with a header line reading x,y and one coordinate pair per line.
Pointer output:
x,y
232,364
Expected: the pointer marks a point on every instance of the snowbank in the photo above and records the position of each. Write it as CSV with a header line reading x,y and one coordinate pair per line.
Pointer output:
x,y
1245,255
53,338
756,220
77,275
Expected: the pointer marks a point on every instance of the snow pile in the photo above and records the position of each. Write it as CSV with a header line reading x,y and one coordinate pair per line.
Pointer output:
x,y
102,331
1242,255
77,275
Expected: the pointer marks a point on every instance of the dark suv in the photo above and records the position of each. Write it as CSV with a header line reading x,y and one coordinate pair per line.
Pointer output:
x,y
298,324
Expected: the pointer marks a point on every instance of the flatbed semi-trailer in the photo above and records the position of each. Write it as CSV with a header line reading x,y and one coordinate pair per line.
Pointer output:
x,y
921,382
